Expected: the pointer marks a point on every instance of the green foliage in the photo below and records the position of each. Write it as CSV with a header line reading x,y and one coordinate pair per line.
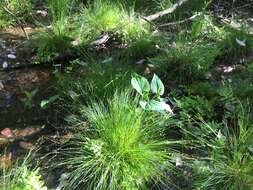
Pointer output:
x,y
236,43
56,40
21,178
187,60
89,24
122,149
203,89
50,44
22,9
142,46
59,9
99,78
3,22
196,106
104,16
228,163
28,100
141,85
46,103
204,26
143,5
150,100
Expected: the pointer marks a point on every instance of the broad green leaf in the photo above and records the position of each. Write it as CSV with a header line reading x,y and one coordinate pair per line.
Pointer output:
x,y
45,103
73,95
241,42
143,104
34,92
158,106
140,84
157,86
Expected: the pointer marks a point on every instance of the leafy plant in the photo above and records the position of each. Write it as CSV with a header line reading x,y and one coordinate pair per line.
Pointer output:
x,y
46,103
108,17
204,26
124,147
187,59
21,178
56,40
151,101
224,154
236,43
49,44
196,106
28,100
98,77
59,9
11,10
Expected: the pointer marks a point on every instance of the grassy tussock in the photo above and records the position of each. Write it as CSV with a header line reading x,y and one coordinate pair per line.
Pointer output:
x,y
123,148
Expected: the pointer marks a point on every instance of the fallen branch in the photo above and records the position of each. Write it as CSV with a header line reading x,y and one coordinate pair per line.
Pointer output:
x,y
232,23
20,23
180,22
59,60
102,40
165,12
15,139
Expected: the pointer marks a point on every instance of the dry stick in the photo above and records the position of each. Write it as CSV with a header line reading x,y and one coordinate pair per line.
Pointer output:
x,y
180,22
165,12
18,20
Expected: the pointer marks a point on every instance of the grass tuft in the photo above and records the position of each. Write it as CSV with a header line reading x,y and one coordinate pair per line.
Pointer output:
x,y
56,39
105,16
20,177
224,159
22,9
123,148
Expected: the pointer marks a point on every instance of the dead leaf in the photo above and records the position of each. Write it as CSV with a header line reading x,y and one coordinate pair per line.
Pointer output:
x,y
6,160
66,138
27,131
27,145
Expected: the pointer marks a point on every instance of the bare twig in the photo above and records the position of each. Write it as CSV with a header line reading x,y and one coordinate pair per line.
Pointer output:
x,y
165,12
20,23
103,39
180,22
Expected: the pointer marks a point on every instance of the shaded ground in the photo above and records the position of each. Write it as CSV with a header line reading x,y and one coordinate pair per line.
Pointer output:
x,y
20,127
14,50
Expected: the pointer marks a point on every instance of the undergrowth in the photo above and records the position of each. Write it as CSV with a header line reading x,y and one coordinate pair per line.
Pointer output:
x,y
11,10
21,177
104,16
88,25
227,156
57,39
123,147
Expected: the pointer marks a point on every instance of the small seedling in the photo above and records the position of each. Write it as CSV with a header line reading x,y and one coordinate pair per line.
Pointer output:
x,y
29,98
150,93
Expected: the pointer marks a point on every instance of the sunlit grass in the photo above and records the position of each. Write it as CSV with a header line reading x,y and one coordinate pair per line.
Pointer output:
x,y
123,148
105,16
224,153
56,39
21,177
22,9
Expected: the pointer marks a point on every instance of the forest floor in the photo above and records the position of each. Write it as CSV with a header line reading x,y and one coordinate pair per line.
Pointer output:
x,y
23,87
